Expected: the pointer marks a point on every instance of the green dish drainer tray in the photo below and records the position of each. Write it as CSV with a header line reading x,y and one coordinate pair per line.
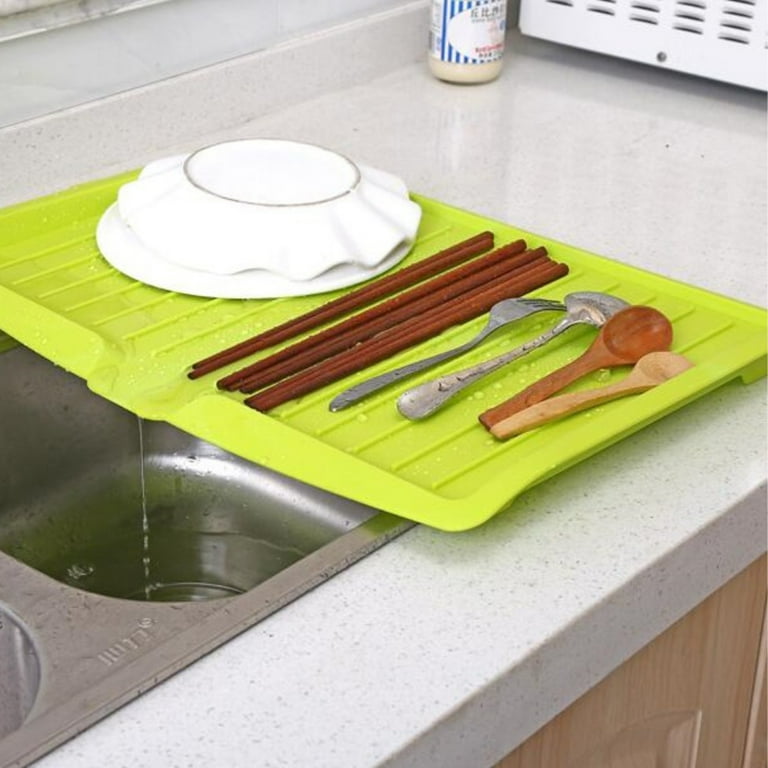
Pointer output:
x,y
133,344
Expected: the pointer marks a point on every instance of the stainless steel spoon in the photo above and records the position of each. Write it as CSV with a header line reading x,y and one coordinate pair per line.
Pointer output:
x,y
583,308
501,314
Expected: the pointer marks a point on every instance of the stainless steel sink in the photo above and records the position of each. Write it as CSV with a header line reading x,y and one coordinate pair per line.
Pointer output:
x,y
128,549
19,673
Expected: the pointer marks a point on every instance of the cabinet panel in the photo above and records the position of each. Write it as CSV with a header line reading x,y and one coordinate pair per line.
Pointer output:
x,y
669,740
683,701
757,733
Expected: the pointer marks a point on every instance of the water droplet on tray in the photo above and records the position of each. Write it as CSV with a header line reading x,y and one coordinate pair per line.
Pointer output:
x,y
603,375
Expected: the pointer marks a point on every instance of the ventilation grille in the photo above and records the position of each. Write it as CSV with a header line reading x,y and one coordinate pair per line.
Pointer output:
x,y
707,37
690,16
737,21
603,6
645,11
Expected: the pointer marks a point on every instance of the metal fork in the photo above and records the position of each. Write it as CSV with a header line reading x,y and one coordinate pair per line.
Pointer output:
x,y
501,314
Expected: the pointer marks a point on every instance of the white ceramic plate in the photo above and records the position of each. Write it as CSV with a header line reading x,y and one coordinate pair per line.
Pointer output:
x,y
287,218
125,252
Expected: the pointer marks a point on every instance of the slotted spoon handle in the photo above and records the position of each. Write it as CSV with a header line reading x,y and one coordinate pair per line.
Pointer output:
x,y
374,384
426,398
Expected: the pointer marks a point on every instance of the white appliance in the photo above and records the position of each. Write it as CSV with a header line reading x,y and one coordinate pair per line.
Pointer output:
x,y
723,40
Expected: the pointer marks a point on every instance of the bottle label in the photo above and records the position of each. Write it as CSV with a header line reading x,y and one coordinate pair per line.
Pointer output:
x,y
467,31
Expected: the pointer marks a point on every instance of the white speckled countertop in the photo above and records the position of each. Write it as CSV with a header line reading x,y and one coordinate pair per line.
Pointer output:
x,y
450,649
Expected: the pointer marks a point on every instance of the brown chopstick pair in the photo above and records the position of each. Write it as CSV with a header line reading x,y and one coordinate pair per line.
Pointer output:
x,y
349,302
399,338
403,308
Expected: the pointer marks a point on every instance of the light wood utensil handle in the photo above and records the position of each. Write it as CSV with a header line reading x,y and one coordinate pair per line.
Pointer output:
x,y
650,371
562,405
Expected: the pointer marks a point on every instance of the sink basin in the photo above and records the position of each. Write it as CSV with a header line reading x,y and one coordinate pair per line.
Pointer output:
x,y
129,548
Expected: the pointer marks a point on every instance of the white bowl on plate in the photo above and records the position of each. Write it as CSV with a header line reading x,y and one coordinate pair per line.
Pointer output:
x,y
258,217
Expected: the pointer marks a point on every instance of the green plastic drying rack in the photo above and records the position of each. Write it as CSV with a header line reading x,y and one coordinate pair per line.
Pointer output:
x,y
133,344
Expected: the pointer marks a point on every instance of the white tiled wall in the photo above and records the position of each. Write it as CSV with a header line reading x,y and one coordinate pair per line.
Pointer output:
x,y
59,68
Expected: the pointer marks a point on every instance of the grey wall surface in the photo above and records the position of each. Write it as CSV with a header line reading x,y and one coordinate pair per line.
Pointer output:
x,y
61,67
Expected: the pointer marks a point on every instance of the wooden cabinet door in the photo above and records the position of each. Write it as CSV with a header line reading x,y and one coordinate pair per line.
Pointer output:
x,y
757,731
683,701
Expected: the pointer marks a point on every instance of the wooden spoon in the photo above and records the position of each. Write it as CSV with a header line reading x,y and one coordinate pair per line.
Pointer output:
x,y
651,370
623,340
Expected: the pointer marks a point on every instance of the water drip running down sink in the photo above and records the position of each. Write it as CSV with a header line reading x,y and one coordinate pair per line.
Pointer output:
x,y
144,518
196,541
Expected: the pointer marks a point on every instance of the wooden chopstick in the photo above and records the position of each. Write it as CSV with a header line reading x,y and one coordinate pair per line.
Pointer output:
x,y
441,316
264,373
365,324
349,302
355,359
402,318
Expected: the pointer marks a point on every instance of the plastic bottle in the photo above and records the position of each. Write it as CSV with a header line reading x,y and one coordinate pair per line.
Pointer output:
x,y
466,39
